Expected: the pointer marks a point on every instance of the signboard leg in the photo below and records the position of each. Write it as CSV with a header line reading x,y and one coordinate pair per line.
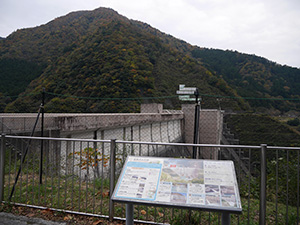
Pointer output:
x,y
225,218
129,214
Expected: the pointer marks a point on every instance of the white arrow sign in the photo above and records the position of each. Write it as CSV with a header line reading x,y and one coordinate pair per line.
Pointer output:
x,y
186,90
186,98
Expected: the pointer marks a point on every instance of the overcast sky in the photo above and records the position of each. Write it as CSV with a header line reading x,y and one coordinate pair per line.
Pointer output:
x,y
267,28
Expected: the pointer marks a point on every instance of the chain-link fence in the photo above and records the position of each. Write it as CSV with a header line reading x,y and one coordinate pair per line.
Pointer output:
x,y
152,124
64,103
72,116
74,175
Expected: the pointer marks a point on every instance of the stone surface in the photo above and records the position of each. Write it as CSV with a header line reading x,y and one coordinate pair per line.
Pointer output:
x,y
9,218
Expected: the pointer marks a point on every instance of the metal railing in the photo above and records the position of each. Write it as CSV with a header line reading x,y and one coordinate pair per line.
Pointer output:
x,y
79,176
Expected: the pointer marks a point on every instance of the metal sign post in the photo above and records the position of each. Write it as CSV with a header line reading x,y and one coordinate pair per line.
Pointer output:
x,y
129,214
196,124
184,95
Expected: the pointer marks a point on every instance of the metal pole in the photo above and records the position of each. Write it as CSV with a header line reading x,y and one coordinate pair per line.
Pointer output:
x,y
263,186
129,214
112,178
2,161
225,218
42,135
96,156
196,124
24,155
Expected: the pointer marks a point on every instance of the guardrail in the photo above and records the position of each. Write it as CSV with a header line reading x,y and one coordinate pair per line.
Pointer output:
x,y
78,176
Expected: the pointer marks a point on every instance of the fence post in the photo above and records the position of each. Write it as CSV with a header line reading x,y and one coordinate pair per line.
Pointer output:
x,y
2,161
263,185
112,177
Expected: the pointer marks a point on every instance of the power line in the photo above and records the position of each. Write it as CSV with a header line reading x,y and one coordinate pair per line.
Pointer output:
x,y
99,98
251,98
160,97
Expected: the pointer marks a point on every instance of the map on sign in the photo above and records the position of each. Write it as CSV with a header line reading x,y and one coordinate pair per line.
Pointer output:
x,y
183,182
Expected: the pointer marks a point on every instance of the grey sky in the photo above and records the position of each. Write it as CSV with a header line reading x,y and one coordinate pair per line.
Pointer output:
x,y
267,28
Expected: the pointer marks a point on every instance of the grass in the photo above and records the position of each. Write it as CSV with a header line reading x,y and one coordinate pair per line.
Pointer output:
x,y
61,192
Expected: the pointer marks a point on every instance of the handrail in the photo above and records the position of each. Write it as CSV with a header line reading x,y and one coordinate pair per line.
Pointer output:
x,y
154,143
262,172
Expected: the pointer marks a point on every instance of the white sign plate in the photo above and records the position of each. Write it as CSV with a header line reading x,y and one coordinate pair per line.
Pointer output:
x,y
186,98
185,92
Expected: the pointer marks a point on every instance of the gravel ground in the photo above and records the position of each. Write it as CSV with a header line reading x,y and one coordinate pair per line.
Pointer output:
x,y
18,215
9,218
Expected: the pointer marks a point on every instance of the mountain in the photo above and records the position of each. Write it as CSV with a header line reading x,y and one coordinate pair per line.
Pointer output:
x,y
102,57
255,77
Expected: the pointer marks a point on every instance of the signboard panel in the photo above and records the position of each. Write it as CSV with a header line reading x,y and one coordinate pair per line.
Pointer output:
x,y
190,183
185,92
186,98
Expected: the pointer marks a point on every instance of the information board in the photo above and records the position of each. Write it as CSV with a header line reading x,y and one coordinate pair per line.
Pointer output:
x,y
190,183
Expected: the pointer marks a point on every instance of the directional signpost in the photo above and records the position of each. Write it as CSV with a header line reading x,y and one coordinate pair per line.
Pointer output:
x,y
185,92
184,95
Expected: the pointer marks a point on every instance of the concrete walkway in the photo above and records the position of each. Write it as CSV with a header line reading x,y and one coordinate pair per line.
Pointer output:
x,y
9,218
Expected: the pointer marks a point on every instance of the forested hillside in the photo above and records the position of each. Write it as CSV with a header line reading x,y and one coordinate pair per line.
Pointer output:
x,y
253,129
255,77
102,58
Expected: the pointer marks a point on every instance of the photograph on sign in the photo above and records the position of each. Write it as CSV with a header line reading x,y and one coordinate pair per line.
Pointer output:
x,y
140,179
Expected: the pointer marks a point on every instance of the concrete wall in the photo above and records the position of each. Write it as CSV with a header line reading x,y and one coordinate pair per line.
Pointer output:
x,y
147,127
68,123
210,128
151,108
153,124
167,131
